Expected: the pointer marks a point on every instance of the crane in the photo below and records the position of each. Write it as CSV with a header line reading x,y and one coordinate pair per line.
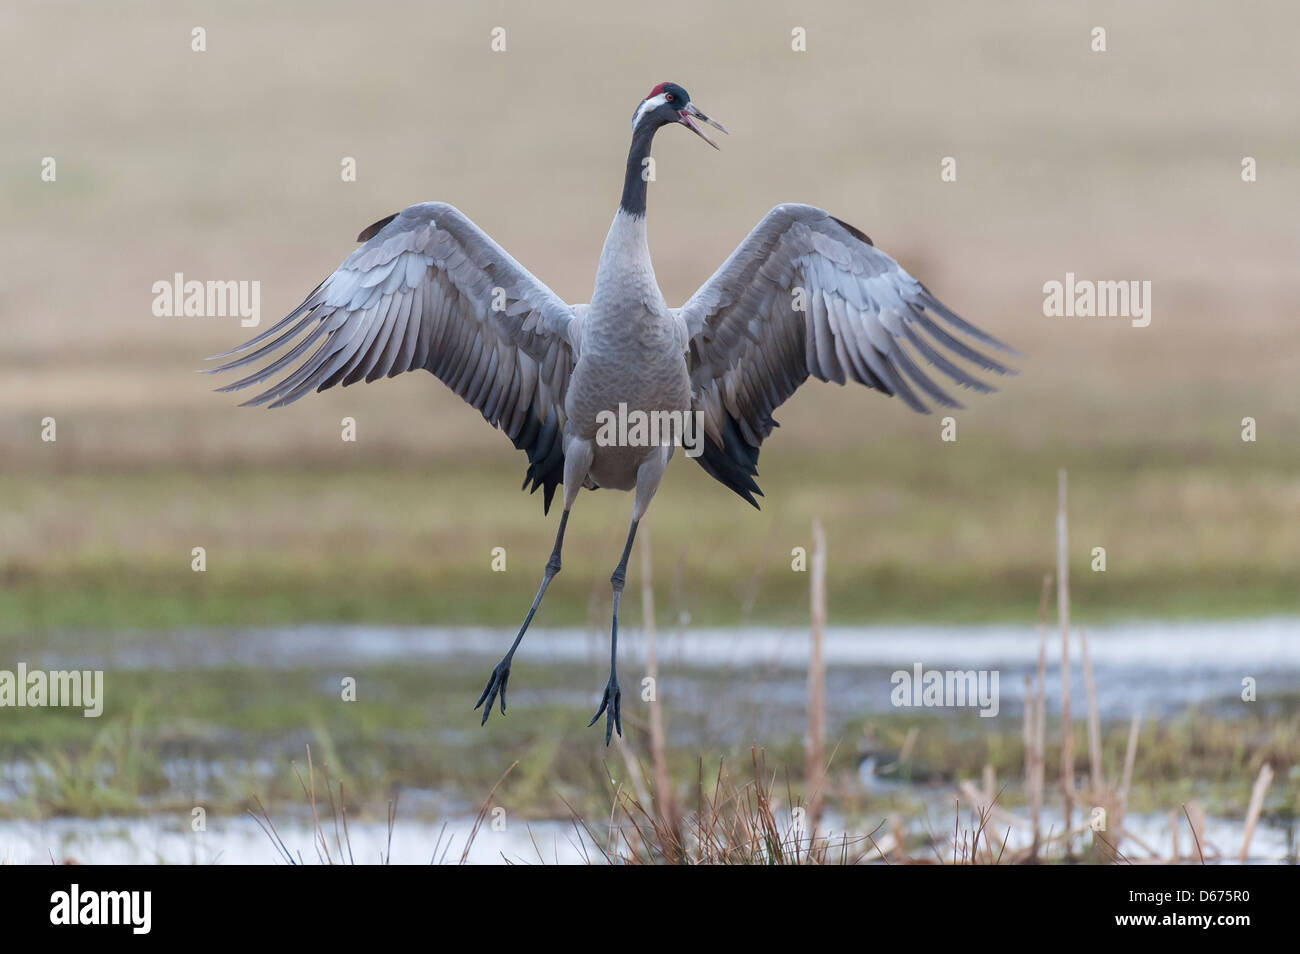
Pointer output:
x,y
804,295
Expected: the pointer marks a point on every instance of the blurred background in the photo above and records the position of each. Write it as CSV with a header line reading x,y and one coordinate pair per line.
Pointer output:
x,y
225,165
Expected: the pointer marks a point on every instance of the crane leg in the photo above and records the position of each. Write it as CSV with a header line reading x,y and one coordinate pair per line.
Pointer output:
x,y
648,476
577,458
496,685
611,704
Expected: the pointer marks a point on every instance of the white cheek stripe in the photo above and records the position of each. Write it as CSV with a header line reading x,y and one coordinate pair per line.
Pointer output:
x,y
654,102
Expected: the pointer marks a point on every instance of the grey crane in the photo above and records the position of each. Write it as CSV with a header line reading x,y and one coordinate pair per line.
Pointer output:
x,y
804,295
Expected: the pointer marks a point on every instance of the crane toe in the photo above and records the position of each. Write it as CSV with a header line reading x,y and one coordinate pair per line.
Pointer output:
x,y
496,686
611,705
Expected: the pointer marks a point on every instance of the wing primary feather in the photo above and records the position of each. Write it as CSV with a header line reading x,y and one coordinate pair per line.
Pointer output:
x,y
959,347
928,352
288,358
960,323
259,338
904,361
304,371
268,349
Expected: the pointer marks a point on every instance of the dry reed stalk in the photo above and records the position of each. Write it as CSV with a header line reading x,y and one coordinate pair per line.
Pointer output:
x,y
1040,720
1196,821
1027,732
1063,617
478,819
815,765
1105,843
1117,794
1130,757
309,791
1094,719
664,801
1262,782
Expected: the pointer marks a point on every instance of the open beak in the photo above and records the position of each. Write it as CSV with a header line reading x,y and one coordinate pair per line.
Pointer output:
x,y
688,117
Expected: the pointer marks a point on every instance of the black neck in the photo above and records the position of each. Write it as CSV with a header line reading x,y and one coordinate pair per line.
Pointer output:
x,y
634,183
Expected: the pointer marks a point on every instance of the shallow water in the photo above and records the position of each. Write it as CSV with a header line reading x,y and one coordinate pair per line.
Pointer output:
x,y
1150,667
241,840
1268,642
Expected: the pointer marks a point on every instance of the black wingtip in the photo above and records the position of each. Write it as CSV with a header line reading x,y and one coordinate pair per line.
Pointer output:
x,y
734,463
370,231
856,232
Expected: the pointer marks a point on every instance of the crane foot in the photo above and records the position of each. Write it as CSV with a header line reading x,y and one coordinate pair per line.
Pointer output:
x,y
611,706
496,684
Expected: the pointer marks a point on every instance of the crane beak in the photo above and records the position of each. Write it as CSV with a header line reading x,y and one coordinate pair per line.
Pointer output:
x,y
688,117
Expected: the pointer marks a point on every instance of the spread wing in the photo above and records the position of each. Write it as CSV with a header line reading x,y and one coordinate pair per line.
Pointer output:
x,y
429,289
806,294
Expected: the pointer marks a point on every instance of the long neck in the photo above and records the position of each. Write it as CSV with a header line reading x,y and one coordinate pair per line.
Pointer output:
x,y
634,182
625,268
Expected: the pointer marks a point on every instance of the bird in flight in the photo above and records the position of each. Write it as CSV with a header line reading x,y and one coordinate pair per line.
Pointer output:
x,y
804,295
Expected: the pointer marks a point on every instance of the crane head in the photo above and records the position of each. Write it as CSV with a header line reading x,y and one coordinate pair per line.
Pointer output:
x,y
669,103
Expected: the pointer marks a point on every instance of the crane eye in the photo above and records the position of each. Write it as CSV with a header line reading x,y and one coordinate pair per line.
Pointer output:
x,y
668,97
